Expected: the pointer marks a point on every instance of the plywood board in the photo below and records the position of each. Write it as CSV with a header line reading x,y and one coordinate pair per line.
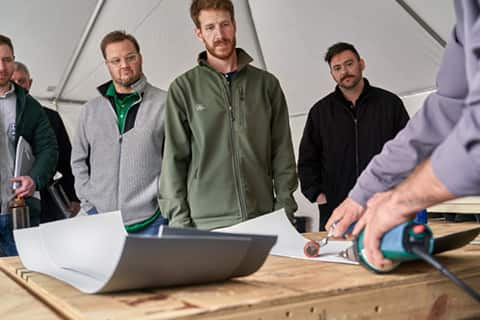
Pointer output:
x,y
283,288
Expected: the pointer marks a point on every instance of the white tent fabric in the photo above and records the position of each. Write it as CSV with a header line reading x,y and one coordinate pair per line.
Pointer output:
x,y
287,37
401,42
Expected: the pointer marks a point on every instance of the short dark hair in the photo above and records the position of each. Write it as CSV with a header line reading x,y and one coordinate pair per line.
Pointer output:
x,y
339,47
4,40
199,5
118,36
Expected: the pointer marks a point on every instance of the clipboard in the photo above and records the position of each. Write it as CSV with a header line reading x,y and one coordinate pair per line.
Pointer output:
x,y
24,160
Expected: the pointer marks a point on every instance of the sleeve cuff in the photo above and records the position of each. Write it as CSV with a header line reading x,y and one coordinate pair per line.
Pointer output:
x,y
359,196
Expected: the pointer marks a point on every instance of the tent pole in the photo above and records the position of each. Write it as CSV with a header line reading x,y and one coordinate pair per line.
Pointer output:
x,y
422,23
78,50
255,36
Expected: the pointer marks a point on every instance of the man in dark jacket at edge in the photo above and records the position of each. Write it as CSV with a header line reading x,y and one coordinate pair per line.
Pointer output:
x,y
50,210
344,130
21,116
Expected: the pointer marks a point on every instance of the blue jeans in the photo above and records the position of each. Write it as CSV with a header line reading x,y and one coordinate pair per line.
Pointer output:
x,y
92,211
150,230
7,243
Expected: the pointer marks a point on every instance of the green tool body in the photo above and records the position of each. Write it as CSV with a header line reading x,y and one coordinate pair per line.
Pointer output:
x,y
408,241
395,245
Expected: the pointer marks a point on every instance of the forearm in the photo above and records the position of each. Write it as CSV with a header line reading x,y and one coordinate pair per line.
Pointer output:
x,y
173,182
79,160
420,190
284,168
45,148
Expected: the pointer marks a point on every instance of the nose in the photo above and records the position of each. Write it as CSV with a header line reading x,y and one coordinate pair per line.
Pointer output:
x,y
219,33
123,63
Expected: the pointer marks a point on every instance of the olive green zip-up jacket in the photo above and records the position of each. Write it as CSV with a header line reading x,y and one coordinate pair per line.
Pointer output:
x,y
228,150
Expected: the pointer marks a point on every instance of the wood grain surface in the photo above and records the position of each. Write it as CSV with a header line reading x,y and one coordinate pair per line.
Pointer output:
x,y
283,288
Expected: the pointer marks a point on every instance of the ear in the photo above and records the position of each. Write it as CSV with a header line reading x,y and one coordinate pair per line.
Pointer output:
x,y
140,59
362,64
198,34
30,81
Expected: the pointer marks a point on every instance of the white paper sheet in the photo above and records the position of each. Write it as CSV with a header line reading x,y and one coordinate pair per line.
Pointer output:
x,y
95,254
290,243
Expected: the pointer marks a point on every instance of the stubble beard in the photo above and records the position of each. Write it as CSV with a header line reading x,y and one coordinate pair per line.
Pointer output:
x,y
225,56
128,81
5,79
355,82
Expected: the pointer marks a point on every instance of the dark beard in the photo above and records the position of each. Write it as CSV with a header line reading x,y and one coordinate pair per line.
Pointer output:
x,y
128,83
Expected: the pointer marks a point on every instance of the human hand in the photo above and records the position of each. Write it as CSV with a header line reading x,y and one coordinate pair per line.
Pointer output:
x,y
74,208
26,186
346,213
382,214
321,199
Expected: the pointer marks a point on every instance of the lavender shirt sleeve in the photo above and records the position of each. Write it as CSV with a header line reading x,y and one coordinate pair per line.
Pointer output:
x,y
424,132
456,162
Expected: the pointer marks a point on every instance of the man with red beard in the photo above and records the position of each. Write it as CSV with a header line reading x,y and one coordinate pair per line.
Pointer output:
x,y
228,148
344,130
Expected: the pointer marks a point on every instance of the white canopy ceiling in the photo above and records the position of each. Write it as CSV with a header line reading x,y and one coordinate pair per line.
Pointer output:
x,y
401,41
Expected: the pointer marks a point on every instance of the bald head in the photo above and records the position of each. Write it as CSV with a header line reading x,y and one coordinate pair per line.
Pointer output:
x,y
21,75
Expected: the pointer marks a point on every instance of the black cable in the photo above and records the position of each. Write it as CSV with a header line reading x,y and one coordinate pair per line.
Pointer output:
x,y
428,258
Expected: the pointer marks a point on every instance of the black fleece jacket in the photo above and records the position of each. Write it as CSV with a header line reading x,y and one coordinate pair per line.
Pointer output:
x,y
339,140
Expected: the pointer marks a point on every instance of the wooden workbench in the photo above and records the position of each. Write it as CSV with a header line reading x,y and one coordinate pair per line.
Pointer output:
x,y
283,288
468,205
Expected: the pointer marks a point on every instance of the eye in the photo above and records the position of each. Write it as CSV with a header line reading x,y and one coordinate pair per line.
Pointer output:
x,y
115,61
7,60
131,58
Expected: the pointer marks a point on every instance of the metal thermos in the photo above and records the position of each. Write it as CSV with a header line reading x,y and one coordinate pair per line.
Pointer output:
x,y
20,213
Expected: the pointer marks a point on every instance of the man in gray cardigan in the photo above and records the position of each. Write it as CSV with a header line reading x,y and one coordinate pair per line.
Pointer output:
x,y
436,157
117,150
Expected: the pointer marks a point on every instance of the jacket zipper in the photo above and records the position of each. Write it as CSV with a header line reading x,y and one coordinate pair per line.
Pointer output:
x,y
120,143
357,161
235,160
355,125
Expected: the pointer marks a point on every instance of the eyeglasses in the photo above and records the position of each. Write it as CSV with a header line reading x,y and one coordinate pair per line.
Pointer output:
x,y
131,58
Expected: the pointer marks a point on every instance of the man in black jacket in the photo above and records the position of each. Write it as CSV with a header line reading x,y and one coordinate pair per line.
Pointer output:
x,y
344,130
50,211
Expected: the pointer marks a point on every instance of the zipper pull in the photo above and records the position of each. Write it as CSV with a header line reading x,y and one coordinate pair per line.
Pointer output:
x,y
231,112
